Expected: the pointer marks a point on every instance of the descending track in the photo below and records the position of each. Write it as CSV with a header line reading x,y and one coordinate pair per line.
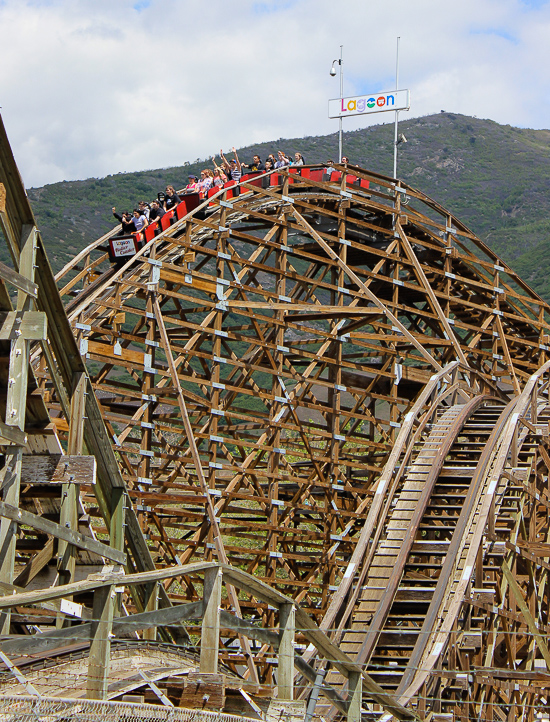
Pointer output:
x,y
412,594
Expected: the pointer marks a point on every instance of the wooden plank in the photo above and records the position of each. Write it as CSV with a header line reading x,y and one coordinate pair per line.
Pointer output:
x,y
98,581
19,516
210,635
99,657
35,565
58,469
203,691
12,435
29,325
285,673
122,626
16,279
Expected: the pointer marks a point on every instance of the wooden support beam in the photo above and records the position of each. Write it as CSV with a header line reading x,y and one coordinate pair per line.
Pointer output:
x,y
35,565
59,638
58,469
355,697
66,553
531,623
150,605
16,407
97,581
210,635
99,658
12,435
27,325
19,516
20,282
285,672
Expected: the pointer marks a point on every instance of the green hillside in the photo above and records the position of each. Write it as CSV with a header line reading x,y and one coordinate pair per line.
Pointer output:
x,y
494,178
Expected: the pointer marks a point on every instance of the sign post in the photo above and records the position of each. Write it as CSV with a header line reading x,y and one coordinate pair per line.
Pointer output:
x,y
392,100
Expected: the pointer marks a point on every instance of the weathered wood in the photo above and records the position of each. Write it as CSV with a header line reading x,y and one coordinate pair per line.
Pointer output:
x,y
100,643
19,516
16,410
531,623
35,565
12,434
285,672
210,636
58,469
58,639
203,691
28,325
16,279
355,697
285,709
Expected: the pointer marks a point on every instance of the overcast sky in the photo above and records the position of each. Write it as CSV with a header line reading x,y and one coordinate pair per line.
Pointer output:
x,y
89,88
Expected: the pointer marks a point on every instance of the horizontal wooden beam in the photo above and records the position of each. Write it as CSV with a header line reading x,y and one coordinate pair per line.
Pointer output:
x,y
97,581
12,434
58,469
81,633
19,516
30,325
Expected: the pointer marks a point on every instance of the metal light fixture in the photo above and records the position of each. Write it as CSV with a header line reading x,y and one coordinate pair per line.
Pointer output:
x,y
333,73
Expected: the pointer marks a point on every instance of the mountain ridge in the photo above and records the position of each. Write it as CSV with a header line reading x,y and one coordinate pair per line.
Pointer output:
x,y
494,178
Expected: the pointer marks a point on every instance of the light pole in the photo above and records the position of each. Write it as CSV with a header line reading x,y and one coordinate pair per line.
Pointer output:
x,y
333,73
395,138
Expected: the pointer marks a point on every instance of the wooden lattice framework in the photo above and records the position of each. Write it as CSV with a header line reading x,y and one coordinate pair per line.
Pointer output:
x,y
273,371
296,324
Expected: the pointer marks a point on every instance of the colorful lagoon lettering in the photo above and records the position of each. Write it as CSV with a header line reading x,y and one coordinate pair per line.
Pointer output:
x,y
359,105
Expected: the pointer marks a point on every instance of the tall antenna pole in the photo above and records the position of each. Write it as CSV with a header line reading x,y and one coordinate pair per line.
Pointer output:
x,y
396,113
341,102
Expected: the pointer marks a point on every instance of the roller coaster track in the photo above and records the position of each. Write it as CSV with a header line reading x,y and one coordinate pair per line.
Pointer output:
x,y
427,548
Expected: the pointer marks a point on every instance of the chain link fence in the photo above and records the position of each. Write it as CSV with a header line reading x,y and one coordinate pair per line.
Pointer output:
x,y
49,709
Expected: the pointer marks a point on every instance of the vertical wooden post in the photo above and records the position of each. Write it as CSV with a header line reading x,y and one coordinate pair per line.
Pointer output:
x,y
66,560
100,644
150,605
116,531
16,406
210,637
355,696
285,674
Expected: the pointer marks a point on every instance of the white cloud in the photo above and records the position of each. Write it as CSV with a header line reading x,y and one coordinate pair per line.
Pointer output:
x,y
89,89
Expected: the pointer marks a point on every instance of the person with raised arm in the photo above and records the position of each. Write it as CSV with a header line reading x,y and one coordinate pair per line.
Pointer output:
x,y
282,159
127,224
233,167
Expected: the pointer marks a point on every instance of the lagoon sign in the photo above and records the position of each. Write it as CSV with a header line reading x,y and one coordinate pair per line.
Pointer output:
x,y
374,103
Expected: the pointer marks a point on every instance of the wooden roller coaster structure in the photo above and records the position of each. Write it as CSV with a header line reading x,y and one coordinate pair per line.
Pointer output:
x,y
324,390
